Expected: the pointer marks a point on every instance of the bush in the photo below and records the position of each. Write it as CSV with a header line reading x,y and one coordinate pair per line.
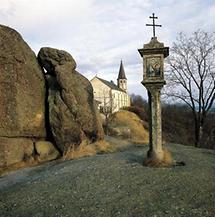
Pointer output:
x,y
140,112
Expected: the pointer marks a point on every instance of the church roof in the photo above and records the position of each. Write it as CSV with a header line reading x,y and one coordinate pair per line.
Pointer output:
x,y
110,84
121,72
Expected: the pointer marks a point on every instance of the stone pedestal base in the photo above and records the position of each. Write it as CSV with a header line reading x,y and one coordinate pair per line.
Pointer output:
x,y
157,155
158,159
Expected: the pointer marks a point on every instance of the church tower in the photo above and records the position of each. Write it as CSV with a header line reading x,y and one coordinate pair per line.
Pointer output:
x,y
122,80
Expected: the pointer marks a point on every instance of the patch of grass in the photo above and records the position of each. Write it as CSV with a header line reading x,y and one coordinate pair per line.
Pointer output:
x,y
117,143
103,146
88,149
23,164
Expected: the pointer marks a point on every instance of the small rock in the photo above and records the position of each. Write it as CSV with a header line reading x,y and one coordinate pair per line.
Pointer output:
x,y
46,151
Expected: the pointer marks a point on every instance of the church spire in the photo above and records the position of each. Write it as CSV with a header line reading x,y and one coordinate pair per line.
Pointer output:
x,y
122,80
121,72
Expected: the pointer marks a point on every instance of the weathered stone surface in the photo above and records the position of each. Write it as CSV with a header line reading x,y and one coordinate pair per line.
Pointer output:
x,y
153,55
14,150
22,88
156,143
72,113
46,151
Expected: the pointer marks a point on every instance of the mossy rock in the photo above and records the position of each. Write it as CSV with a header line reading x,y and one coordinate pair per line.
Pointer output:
x,y
46,151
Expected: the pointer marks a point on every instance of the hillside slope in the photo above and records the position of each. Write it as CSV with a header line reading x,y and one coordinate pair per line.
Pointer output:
x,y
129,126
114,185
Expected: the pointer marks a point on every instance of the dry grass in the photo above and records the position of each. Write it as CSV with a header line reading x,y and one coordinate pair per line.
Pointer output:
x,y
104,147
88,149
138,133
119,144
85,149
19,165
154,162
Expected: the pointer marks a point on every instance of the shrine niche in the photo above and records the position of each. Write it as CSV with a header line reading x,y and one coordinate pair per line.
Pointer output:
x,y
153,67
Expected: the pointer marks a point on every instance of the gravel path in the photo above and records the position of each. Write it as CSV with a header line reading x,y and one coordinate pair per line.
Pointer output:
x,y
113,185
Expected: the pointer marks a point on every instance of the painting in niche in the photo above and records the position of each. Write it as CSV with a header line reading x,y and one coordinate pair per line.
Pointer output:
x,y
153,67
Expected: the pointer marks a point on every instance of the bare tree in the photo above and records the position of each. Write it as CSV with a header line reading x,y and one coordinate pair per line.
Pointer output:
x,y
191,75
139,101
107,107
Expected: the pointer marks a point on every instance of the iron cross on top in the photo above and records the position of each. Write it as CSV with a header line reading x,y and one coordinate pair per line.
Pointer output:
x,y
153,23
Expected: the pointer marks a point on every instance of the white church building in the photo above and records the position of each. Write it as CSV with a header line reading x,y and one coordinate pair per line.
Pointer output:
x,y
110,96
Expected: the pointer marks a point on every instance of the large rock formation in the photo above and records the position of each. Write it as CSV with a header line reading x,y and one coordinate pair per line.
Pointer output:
x,y
14,150
22,88
72,113
25,122
22,98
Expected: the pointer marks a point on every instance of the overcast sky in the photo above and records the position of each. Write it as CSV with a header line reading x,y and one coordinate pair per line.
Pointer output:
x,y
99,33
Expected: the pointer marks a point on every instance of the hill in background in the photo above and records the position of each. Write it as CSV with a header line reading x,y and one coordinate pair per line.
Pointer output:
x,y
127,125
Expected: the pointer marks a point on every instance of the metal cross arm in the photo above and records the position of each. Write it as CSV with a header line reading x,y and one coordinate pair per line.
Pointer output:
x,y
153,23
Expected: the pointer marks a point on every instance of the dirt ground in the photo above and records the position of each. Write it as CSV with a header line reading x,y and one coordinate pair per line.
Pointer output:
x,y
113,185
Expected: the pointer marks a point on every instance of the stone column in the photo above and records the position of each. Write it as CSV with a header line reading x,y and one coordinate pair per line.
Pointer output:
x,y
155,131
153,55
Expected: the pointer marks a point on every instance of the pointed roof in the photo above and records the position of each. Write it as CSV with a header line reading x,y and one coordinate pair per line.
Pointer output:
x,y
110,84
121,72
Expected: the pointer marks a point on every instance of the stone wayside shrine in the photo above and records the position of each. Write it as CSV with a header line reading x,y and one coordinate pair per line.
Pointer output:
x,y
153,55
